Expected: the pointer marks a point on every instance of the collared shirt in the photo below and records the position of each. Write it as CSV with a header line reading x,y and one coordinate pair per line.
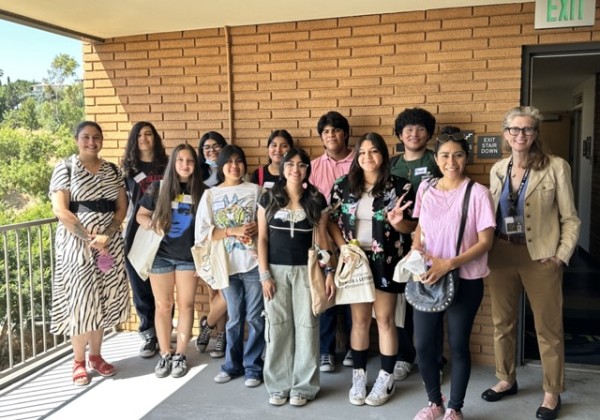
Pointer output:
x,y
324,171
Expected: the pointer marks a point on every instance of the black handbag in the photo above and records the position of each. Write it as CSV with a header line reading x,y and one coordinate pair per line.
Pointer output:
x,y
440,295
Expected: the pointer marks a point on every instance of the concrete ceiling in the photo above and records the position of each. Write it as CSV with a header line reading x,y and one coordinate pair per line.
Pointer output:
x,y
115,18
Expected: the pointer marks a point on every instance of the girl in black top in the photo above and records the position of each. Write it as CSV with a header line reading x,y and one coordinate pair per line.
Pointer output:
x,y
279,142
143,163
287,215
170,209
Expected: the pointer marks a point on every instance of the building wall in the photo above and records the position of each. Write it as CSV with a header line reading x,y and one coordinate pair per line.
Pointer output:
x,y
462,64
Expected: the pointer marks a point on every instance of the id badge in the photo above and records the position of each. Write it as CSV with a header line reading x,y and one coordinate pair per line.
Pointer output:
x,y
513,224
174,205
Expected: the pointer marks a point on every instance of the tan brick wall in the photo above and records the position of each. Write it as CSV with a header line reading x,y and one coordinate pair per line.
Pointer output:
x,y
462,64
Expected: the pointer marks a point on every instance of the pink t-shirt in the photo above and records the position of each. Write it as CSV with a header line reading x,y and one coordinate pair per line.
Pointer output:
x,y
324,171
439,214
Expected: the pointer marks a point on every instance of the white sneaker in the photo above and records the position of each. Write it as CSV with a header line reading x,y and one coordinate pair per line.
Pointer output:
x,y
298,400
358,392
277,398
383,389
222,377
252,382
402,370
327,363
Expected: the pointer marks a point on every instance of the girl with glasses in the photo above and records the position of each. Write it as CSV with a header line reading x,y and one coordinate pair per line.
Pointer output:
x,y
287,215
209,148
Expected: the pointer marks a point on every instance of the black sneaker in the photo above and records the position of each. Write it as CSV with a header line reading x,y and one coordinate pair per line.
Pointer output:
x,y
149,348
204,336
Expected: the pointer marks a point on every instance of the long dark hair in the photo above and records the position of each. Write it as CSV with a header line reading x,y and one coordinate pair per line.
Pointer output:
x,y
311,200
356,176
170,188
226,153
283,134
210,135
131,158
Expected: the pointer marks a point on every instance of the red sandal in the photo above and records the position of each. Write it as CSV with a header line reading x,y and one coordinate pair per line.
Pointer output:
x,y
98,364
80,376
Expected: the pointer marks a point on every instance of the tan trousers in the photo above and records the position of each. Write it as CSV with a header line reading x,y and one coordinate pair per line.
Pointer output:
x,y
512,270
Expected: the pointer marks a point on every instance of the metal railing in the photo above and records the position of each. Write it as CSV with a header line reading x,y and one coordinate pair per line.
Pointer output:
x,y
26,272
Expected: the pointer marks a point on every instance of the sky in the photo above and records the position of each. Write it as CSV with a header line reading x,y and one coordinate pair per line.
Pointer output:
x,y
26,53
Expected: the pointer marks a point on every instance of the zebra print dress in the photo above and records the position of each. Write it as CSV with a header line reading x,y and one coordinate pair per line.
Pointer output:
x,y
83,297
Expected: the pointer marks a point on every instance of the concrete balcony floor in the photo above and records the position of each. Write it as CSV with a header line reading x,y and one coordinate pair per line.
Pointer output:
x,y
135,393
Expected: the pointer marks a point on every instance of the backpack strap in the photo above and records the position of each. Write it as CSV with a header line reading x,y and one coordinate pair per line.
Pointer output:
x,y
261,175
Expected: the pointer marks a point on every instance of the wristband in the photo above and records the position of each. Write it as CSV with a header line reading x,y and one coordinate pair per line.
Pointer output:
x,y
264,276
328,270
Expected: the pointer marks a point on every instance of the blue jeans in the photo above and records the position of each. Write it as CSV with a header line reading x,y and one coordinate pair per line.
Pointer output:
x,y
328,327
244,304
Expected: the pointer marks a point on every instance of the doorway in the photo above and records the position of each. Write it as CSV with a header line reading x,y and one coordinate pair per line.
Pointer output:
x,y
561,81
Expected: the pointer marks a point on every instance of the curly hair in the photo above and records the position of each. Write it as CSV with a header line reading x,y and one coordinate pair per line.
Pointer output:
x,y
414,116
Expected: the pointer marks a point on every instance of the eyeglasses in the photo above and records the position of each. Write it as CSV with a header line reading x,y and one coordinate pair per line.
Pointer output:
x,y
292,165
213,147
453,136
514,131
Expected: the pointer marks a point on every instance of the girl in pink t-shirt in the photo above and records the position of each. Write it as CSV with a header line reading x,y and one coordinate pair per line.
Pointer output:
x,y
439,208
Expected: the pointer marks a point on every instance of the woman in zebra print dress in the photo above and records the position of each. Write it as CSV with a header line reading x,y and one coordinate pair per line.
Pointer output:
x,y
89,291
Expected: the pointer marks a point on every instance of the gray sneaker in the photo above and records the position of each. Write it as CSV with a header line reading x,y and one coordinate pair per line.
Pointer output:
x,y
402,370
163,368
149,348
220,346
327,363
179,365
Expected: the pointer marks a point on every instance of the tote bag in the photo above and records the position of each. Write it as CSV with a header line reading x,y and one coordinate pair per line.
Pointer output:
x,y
353,277
316,280
210,259
143,251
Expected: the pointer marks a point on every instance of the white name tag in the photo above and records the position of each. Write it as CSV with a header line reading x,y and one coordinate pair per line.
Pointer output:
x,y
269,184
421,171
139,177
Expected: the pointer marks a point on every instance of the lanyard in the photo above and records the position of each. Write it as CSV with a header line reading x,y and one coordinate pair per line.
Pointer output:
x,y
512,196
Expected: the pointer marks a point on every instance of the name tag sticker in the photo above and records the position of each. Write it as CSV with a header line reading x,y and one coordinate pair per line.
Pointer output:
x,y
187,199
421,171
174,205
268,184
139,177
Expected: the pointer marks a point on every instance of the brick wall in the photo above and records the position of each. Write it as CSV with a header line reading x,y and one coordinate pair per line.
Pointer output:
x,y
462,64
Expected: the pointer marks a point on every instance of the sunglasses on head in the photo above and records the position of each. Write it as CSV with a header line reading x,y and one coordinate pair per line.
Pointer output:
x,y
454,136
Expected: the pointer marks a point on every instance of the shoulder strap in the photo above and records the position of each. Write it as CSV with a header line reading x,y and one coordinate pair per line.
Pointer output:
x,y
261,175
463,220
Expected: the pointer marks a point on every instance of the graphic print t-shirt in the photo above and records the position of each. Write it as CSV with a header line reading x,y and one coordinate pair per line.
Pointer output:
x,y
230,207
178,241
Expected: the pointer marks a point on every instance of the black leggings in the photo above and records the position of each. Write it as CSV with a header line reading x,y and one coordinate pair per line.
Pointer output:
x,y
461,315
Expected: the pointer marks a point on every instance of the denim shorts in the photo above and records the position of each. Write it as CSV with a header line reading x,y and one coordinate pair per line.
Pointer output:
x,y
164,265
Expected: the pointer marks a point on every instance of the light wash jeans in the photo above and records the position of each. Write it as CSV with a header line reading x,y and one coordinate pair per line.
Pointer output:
x,y
292,335
244,299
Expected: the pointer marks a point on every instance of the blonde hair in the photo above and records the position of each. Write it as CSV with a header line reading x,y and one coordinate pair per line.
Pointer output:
x,y
538,156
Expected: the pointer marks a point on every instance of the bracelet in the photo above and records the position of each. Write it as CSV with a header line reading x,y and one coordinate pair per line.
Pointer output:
x,y
328,269
265,275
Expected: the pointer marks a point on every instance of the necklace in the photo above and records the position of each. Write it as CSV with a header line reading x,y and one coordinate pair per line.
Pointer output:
x,y
449,195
